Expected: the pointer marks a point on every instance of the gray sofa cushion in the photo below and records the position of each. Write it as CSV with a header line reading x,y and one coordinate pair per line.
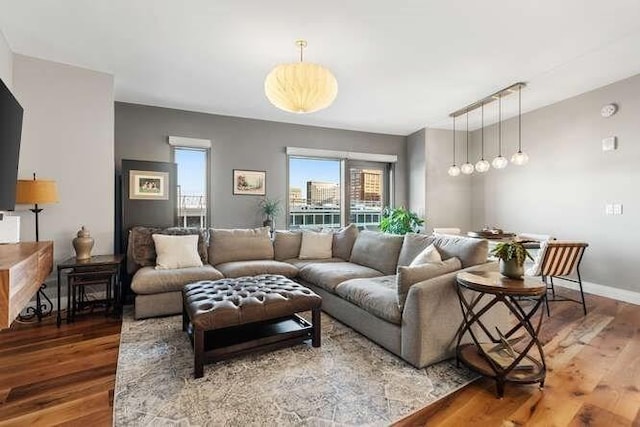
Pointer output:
x,y
408,276
286,244
376,295
412,245
343,241
468,250
377,250
299,263
330,274
143,250
227,245
148,280
256,267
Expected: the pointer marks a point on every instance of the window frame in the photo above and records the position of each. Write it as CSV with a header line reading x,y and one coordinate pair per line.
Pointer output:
x,y
207,191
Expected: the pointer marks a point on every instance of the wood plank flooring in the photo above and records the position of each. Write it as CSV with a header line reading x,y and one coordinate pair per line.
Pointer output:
x,y
59,376
593,376
66,376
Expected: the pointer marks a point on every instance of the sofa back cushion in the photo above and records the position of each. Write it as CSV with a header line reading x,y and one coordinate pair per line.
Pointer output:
x,y
470,251
412,245
343,241
142,250
286,244
226,245
377,250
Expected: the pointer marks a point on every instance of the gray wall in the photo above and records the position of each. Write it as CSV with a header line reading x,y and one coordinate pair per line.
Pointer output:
x,y
141,134
67,136
6,62
444,201
569,179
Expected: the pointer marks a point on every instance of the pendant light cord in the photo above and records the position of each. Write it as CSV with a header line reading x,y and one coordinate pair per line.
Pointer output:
x,y
519,120
482,131
467,136
454,141
500,126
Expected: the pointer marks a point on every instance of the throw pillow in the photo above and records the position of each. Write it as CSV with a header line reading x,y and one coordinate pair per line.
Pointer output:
x,y
286,244
409,276
343,241
316,245
176,251
429,254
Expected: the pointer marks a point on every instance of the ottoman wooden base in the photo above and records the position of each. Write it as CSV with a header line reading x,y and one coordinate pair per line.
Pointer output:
x,y
218,330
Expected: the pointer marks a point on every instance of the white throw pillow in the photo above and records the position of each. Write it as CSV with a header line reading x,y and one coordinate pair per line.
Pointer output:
x,y
176,251
535,269
429,254
316,245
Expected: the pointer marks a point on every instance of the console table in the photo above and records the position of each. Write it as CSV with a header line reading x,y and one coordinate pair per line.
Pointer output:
x,y
502,355
23,268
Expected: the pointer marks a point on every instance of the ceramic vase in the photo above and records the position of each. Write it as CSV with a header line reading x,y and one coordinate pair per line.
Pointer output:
x,y
511,269
83,244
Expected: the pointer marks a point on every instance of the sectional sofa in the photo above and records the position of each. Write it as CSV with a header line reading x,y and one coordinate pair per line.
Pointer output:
x,y
366,280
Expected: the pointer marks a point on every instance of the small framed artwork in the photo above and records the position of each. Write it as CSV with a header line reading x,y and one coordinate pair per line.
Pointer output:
x,y
148,185
248,182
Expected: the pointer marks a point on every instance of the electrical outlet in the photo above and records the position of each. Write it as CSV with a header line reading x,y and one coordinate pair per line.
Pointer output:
x,y
608,209
609,144
617,209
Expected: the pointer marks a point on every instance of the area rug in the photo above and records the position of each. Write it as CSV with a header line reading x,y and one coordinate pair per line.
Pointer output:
x,y
348,381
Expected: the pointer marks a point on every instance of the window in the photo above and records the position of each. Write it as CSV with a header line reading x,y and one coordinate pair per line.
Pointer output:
x,y
331,192
192,186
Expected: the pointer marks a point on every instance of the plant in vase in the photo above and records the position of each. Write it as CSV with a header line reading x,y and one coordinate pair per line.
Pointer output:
x,y
512,255
270,209
399,221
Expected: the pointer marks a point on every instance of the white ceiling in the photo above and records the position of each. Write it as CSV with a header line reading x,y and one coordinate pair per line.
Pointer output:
x,y
400,65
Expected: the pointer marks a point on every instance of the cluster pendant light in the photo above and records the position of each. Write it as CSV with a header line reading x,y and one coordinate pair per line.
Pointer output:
x,y
499,162
482,165
519,158
467,168
301,87
453,169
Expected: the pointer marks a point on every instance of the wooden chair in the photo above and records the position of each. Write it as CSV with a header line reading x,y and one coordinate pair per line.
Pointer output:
x,y
560,260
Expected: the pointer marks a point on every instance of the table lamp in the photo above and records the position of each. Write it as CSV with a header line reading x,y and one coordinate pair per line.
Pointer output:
x,y
36,191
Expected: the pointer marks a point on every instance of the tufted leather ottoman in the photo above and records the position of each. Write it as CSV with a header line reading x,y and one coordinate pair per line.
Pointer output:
x,y
232,316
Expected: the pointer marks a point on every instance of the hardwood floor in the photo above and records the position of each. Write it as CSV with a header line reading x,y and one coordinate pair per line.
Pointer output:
x,y
59,376
66,376
593,376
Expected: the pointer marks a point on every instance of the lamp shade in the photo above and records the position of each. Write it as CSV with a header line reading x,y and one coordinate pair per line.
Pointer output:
x,y
36,191
301,87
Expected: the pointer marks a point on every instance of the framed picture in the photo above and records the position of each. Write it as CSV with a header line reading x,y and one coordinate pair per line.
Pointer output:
x,y
247,182
148,185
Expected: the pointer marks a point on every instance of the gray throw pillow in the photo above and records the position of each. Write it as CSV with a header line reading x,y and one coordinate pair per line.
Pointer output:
x,y
409,276
286,244
377,250
343,241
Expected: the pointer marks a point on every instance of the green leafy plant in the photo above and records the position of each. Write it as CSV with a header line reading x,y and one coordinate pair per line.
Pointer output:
x,y
270,208
399,221
513,249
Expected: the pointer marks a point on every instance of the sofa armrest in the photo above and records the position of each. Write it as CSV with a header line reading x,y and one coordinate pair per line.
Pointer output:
x,y
432,318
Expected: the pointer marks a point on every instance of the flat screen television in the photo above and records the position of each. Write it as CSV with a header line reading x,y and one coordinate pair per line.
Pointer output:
x,y
10,135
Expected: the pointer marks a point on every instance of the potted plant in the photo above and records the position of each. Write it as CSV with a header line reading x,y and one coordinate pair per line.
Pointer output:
x,y
512,255
399,221
270,209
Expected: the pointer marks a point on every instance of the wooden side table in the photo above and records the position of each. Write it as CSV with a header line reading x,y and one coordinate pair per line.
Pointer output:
x,y
97,270
502,355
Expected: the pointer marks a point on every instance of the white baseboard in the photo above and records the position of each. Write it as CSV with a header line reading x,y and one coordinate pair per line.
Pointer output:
x,y
603,291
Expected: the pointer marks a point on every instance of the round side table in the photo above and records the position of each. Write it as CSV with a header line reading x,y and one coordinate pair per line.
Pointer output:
x,y
514,355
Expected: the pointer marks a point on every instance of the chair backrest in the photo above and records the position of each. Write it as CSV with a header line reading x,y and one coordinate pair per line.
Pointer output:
x,y
562,258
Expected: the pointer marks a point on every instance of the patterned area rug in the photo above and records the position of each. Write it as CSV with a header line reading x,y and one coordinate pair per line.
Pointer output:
x,y
347,381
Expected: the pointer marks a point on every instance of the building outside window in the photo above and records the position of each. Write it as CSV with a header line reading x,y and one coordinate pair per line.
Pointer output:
x,y
193,207
317,188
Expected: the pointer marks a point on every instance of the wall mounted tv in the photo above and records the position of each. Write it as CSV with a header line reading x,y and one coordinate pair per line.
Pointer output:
x,y
10,134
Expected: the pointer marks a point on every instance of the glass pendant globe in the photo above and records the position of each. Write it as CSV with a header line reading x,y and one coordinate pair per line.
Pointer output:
x,y
467,168
454,170
483,166
519,158
499,162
